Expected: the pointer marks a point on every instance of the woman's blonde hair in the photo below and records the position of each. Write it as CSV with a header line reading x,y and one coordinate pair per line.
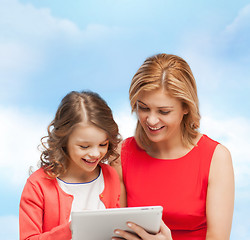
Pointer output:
x,y
74,108
172,74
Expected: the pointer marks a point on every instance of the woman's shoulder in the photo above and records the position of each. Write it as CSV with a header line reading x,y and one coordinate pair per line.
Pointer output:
x,y
219,150
206,141
130,144
128,141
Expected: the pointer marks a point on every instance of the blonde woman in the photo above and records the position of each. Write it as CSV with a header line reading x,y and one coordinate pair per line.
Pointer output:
x,y
169,162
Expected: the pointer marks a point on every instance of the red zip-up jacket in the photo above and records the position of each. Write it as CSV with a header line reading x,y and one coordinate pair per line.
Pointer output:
x,y
45,208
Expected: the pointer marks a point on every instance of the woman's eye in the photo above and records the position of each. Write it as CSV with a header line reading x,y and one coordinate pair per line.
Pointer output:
x,y
164,112
143,108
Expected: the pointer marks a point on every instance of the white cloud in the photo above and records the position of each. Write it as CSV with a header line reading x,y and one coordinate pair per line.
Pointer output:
x,y
219,59
236,36
9,228
20,135
126,122
29,38
232,132
27,22
242,21
26,33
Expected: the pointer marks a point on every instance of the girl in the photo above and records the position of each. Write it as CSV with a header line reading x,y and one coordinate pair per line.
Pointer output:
x,y
73,175
169,162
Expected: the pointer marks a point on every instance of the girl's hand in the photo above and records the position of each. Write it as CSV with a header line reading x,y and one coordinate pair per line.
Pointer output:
x,y
164,233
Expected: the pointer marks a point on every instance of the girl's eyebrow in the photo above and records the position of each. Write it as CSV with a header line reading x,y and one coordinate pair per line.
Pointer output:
x,y
88,142
158,107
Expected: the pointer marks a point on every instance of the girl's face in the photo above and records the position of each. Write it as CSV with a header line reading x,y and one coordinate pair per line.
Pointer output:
x,y
160,115
87,145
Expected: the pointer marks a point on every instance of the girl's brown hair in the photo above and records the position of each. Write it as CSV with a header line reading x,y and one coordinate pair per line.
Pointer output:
x,y
74,108
173,74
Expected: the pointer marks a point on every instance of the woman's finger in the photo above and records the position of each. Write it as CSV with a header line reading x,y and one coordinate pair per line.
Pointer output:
x,y
125,234
138,230
165,231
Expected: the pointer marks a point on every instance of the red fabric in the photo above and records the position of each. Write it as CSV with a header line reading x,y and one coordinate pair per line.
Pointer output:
x,y
179,185
45,208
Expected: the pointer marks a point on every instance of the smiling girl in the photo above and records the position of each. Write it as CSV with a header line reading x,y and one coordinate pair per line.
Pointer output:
x,y
73,175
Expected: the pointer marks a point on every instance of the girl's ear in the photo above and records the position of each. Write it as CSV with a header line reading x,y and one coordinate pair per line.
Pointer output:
x,y
186,111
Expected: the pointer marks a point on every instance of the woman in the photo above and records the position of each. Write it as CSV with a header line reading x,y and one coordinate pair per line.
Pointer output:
x,y
169,162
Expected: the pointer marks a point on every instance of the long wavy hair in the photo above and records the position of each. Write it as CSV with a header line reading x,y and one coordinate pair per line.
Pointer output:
x,y
74,108
172,74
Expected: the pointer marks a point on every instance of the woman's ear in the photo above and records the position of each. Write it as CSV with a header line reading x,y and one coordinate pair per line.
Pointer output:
x,y
185,108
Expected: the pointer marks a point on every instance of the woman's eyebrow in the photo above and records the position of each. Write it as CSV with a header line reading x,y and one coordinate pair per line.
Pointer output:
x,y
166,107
158,107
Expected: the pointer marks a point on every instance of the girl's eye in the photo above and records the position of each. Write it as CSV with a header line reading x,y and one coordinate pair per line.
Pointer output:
x,y
104,144
84,147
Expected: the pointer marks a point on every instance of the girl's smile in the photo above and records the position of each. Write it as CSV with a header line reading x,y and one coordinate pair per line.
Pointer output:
x,y
87,146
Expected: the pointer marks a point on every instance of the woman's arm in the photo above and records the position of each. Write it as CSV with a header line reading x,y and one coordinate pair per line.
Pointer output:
x,y
116,164
220,195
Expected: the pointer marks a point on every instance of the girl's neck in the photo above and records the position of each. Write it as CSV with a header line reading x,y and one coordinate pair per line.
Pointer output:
x,y
69,177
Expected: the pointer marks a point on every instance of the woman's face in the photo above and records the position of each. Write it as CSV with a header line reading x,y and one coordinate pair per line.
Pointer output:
x,y
160,115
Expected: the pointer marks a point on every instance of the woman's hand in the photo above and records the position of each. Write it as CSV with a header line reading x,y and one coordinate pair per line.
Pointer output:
x,y
164,233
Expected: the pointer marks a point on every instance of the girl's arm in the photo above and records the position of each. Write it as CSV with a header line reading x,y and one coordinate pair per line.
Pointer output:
x,y
220,195
31,214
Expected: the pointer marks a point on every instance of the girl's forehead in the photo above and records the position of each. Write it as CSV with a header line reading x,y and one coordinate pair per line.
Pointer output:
x,y
88,133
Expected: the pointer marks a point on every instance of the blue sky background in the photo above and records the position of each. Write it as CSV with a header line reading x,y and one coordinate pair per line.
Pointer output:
x,y
50,47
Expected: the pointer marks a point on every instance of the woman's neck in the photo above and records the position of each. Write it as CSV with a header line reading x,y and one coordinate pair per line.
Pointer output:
x,y
171,149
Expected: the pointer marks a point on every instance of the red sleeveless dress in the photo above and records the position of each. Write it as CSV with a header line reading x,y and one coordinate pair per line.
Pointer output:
x,y
179,185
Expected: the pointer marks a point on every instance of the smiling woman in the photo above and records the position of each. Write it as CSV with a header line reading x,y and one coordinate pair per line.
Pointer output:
x,y
159,120
169,162
73,175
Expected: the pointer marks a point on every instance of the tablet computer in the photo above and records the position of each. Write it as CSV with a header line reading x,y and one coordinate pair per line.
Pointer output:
x,y
100,224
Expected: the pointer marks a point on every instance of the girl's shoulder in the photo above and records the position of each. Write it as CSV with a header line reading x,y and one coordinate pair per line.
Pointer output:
x,y
107,169
39,176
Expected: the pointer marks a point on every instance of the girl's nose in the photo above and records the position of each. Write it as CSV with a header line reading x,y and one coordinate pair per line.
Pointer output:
x,y
94,153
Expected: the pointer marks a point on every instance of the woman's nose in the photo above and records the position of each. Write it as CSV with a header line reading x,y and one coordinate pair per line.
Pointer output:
x,y
152,119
